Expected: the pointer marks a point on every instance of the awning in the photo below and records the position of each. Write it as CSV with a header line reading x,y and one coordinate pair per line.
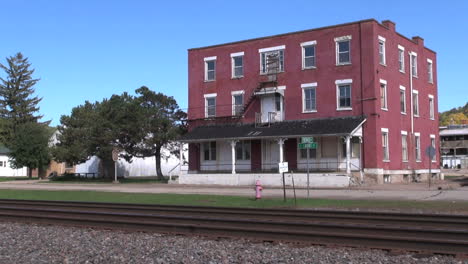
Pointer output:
x,y
341,126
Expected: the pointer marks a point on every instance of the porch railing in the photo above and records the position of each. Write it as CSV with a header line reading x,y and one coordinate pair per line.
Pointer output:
x,y
272,117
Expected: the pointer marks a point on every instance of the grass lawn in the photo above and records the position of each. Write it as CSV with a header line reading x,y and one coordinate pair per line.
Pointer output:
x,y
3,179
232,201
101,180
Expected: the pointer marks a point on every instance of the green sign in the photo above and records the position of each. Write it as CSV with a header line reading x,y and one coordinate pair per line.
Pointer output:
x,y
307,140
307,145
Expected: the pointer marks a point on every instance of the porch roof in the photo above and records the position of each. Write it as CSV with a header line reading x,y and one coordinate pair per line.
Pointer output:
x,y
339,126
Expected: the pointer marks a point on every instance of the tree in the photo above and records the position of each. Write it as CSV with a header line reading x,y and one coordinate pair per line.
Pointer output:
x,y
30,147
95,129
161,122
19,114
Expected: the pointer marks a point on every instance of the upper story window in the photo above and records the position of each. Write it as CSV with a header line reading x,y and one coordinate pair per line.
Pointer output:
x,y
309,102
210,68
430,77
382,50
343,50
237,61
431,107
237,103
210,105
272,59
243,150
385,146
209,150
383,94
308,54
414,64
343,92
415,103
401,58
402,99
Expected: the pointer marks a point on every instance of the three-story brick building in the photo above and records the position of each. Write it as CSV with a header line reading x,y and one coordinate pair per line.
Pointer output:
x,y
367,94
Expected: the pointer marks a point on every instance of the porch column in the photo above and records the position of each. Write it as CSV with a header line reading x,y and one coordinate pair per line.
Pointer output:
x,y
348,154
233,153
281,149
181,155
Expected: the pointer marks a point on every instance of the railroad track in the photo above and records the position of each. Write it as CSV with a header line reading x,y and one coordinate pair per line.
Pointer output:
x,y
428,233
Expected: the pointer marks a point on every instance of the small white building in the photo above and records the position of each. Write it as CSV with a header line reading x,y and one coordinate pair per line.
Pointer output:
x,y
139,167
5,168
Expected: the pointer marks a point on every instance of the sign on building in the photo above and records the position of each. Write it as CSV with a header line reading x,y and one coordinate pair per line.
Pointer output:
x,y
283,167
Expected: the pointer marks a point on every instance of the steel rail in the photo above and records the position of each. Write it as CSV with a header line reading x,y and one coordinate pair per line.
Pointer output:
x,y
453,240
380,218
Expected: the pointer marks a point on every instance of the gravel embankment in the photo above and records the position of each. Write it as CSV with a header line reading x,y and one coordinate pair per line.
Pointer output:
x,y
30,243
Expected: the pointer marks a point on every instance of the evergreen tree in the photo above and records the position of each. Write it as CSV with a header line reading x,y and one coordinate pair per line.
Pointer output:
x,y
18,105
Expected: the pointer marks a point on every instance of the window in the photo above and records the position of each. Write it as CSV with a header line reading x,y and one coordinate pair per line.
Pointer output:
x,y
382,50
210,105
417,146
431,107
309,97
210,68
312,153
343,50
404,145
383,94
343,92
243,150
237,103
278,102
429,71
272,60
401,58
433,144
209,150
414,64
415,103
355,148
402,99
386,153
387,178
308,54
237,60
1,163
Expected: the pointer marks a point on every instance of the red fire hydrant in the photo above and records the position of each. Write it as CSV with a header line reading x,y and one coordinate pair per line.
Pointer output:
x,y
258,190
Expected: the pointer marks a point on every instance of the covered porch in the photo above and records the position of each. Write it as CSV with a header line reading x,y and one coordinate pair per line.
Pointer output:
x,y
245,150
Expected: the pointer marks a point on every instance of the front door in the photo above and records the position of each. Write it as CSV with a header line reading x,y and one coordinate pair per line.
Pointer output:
x,y
270,154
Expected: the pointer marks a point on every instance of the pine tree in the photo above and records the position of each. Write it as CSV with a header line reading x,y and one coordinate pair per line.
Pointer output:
x,y
18,105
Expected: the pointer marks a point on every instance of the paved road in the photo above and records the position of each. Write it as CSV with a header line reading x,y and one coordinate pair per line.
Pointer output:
x,y
420,191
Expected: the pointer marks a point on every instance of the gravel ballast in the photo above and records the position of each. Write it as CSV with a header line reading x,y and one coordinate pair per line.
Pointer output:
x,y
31,243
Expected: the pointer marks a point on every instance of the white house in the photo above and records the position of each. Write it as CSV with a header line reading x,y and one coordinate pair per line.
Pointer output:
x,y
6,170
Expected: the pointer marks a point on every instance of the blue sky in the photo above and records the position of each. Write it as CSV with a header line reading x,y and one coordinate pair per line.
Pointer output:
x,y
89,50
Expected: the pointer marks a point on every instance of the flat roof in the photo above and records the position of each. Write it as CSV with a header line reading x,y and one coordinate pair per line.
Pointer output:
x,y
454,132
302,31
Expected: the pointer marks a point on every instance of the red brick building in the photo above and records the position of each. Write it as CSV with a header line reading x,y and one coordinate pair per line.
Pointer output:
x,y
367,94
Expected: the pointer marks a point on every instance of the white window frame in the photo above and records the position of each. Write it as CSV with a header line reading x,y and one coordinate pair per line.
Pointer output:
x,y
210,156
417,146
404,146
304,87
233,66
431,107
430,71
243,148
337,51
433,140
403,89
339,83
385,144
382,41
385,95
415,103
233,94
209,96
305,45
414,65
206,60
401,58
271,50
